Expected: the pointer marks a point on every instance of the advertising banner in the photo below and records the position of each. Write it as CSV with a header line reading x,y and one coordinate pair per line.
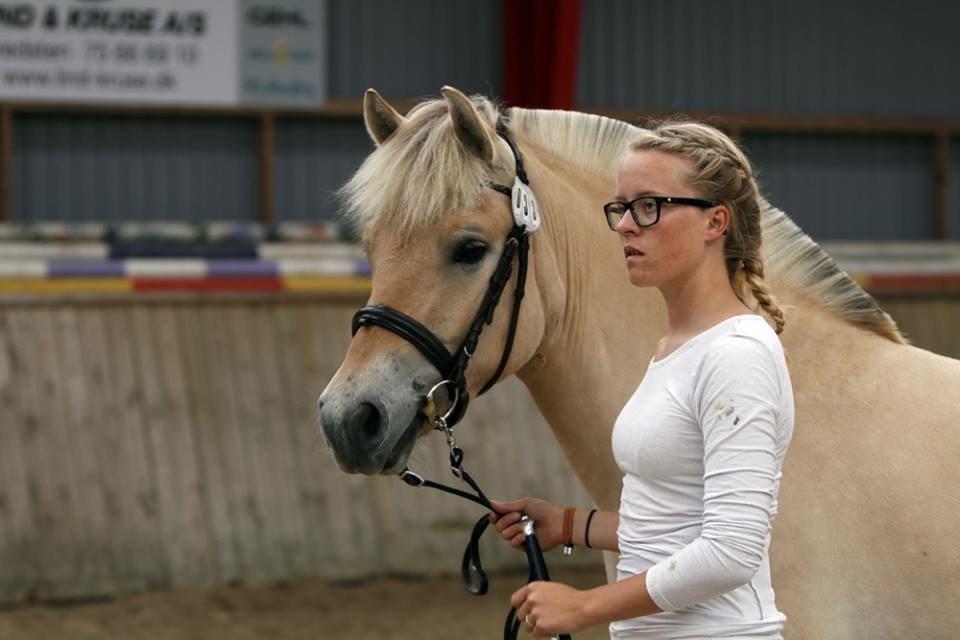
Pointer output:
x,y
189,52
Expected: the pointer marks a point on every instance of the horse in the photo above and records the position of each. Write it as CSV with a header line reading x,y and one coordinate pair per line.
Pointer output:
x,y
865,543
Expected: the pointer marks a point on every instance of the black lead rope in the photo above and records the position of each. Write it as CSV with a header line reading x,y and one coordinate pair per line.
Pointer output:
x,y
471,566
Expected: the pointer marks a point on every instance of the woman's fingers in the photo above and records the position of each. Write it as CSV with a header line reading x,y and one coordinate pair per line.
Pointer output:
x,y
510,529
513,505
508,520
527,621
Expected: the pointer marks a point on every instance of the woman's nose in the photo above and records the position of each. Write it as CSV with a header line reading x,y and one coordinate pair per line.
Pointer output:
x,y
626,224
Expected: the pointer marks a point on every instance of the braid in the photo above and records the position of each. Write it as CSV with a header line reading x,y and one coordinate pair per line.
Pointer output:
x,y
753,273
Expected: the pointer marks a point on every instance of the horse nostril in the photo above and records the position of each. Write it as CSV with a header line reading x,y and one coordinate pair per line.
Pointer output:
x,y
365,425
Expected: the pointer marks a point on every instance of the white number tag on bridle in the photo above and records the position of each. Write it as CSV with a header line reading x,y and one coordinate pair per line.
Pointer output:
x,y
526,213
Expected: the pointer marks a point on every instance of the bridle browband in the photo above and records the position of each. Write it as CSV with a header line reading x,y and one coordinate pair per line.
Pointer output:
x,y
453,366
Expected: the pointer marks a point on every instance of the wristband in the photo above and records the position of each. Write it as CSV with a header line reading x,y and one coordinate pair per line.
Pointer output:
x,y
586,530
568,514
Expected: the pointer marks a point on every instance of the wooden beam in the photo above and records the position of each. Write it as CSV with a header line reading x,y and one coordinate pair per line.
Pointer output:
x,y
340,108
6,163
941,186
839,125
265,162
333,109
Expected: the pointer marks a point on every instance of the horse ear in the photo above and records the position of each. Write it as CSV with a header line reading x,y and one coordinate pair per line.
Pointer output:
x,y
467,125
381,119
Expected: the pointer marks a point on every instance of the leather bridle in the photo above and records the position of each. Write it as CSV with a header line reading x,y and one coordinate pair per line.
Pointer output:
x,y
453,366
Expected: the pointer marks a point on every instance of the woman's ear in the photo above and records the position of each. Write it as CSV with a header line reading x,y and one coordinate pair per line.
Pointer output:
x,y
719,222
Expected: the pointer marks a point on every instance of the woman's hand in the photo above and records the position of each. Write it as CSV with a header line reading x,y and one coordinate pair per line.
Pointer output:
x,y
549,608
547,517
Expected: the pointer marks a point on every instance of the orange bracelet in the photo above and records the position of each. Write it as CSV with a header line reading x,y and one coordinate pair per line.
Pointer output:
x,y
568,514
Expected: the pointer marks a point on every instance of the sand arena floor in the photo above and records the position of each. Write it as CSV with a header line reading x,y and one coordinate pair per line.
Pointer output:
x,y
395,609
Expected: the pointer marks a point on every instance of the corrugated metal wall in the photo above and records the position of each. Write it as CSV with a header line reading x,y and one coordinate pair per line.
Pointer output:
x,y
411,48
115,168
858,57
312,160
849,188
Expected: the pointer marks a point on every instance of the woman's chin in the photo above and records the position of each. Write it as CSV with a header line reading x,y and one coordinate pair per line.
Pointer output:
x,y
641,279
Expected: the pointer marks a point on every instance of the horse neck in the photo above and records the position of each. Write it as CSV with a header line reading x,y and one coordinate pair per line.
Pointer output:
x,y
600,330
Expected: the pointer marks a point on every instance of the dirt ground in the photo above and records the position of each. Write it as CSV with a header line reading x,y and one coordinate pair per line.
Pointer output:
x,y
395,609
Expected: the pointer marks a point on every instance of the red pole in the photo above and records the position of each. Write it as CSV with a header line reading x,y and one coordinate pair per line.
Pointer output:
x,y
540,47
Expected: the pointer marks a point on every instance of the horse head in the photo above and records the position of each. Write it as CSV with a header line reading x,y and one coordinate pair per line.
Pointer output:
x,y
433,230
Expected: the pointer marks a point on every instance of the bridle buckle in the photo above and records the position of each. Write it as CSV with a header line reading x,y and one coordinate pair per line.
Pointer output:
x,y
411,478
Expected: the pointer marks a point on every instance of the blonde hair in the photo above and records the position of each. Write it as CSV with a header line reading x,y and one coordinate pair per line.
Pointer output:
x,y
721,171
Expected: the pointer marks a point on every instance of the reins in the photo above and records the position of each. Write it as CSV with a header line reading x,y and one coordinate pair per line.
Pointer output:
x,y
470,565
453,366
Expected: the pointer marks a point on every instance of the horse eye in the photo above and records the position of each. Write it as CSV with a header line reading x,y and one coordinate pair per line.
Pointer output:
x,y
470,252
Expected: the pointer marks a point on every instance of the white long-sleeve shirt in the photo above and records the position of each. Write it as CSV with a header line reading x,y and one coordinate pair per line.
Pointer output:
x,y
701,444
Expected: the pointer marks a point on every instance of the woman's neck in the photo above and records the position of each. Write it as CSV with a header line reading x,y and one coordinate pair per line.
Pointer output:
x,y
700,299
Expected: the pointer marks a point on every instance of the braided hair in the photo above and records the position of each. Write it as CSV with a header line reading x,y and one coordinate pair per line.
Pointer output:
x,y
721,171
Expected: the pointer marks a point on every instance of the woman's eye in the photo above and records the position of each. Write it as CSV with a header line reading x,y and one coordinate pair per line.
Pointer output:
x,y
470,252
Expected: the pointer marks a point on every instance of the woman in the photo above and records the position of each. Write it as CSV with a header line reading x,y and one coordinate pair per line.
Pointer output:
x,y
702,440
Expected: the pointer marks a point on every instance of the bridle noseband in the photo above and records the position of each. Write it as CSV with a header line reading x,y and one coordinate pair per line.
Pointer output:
x,y
453,366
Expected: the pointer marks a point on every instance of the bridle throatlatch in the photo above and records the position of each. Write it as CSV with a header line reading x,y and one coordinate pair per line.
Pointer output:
x,y
453,367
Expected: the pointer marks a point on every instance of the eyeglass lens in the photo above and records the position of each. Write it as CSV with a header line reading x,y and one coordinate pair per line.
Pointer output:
x,y
644,209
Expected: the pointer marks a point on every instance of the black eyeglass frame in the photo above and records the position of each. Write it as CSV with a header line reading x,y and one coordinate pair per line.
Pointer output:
x,y
628,206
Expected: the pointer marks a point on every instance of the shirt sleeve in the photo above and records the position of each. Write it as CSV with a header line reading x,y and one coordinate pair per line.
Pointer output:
x,y
737,399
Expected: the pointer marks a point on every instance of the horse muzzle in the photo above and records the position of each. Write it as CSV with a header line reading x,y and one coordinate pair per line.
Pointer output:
x,y
372,430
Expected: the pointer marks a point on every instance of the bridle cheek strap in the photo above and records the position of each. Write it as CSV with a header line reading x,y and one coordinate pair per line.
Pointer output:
x,y
524,245
452,366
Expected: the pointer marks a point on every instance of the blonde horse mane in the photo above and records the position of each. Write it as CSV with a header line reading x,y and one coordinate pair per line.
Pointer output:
x,y
422,171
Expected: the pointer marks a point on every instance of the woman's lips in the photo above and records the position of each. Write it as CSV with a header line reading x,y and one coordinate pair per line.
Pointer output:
x,y
630,252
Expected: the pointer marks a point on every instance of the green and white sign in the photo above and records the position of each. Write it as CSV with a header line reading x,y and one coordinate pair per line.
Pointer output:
x,y
282,52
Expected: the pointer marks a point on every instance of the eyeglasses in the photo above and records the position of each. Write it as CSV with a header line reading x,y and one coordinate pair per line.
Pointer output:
x,y
645,210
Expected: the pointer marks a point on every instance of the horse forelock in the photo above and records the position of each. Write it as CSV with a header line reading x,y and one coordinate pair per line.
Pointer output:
x,y
421,172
